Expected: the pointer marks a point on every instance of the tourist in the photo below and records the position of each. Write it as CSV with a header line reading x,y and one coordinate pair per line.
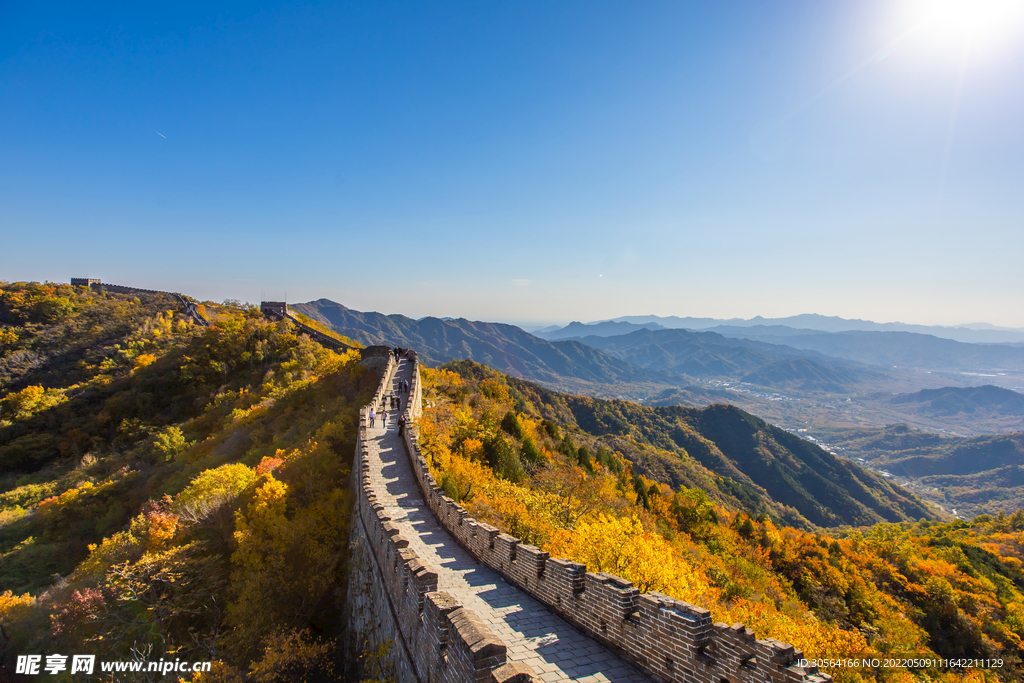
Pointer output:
x,y
372,416
384,419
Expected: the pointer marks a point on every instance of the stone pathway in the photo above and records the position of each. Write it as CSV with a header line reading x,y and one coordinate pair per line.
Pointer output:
x,y
553,648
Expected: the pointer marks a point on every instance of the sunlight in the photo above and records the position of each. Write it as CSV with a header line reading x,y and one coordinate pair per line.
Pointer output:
x,y
973,23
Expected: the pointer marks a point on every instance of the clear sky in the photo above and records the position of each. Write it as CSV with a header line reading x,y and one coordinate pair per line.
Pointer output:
x,y
525,161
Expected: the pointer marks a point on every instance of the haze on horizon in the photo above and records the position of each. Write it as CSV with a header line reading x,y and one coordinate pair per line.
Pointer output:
x,y
530,162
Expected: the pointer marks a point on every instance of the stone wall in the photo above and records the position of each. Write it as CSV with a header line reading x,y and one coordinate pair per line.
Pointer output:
x,y
97,286
192,309
436,638
324,340
669,639
278,310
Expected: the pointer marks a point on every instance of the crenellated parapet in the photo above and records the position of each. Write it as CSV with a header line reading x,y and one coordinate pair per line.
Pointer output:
x,y
444,641
669,639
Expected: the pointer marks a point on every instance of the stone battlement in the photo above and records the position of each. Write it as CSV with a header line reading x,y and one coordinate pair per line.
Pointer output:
x,y
669,639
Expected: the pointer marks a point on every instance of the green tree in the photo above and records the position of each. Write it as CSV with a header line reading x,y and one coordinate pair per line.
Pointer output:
x,y
510,423
171,442
529,453
583,458
503,459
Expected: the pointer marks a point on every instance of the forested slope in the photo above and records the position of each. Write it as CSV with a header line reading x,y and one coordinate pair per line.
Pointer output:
x,y
762,464
182,493
572,476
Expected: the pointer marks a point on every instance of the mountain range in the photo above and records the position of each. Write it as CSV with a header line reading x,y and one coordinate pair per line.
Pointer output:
x,y
888,349
708,354
504,347
848,379
811,322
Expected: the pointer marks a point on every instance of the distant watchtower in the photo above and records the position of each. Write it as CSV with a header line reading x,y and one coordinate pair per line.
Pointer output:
x,y
84,281
274,308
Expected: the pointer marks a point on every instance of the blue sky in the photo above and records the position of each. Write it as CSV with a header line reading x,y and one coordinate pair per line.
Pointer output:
x,y
544,161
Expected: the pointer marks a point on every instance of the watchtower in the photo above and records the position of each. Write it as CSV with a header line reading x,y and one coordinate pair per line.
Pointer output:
x,y
84,281
275,308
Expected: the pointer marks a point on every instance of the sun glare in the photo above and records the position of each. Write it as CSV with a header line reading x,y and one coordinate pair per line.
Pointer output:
x,y
973,23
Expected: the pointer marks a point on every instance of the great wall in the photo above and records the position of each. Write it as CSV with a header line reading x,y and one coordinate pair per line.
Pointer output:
x,y
190,307
524,616
458,601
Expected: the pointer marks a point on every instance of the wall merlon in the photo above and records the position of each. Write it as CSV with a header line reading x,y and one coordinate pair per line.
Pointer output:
x,y
513,672
478,639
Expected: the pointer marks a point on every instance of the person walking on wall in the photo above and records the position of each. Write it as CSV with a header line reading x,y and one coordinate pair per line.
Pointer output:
x,y
372,416
384,419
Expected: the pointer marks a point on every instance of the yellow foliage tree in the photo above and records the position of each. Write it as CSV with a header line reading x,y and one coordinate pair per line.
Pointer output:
x,y
621,546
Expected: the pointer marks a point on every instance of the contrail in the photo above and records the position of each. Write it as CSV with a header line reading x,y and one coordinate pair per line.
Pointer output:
x,y
159,133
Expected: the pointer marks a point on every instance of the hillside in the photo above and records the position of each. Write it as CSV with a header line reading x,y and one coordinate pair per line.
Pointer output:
x,y
58,334
580,479
764,467
505,347
175,490
800,374
990,400
976,475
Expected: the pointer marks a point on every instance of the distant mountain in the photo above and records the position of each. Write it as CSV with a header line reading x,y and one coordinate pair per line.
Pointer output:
x,y
953,400
977,474
707,354
605,329
761,465
801,374
888,349
505,347
975,333
767,333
